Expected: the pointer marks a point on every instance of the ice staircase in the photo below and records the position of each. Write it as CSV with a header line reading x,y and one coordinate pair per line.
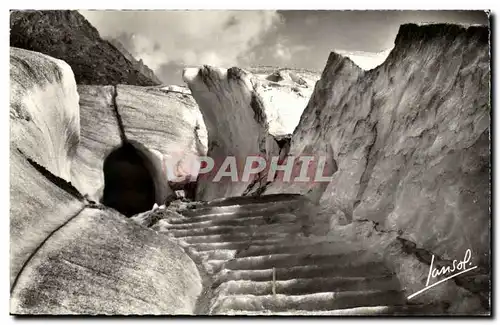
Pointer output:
x,y
258,258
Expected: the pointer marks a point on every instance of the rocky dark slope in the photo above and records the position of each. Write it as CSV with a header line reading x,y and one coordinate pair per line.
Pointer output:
x,y
67,35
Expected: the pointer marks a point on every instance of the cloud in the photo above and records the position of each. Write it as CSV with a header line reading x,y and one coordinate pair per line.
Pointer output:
x,y
170,40
366,60
222,38
284,52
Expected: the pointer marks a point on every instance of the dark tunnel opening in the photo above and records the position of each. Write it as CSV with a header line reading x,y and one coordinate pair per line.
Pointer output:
x,y
128,185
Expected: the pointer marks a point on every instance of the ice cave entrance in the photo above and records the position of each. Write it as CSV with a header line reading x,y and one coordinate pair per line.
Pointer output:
x,y
128,184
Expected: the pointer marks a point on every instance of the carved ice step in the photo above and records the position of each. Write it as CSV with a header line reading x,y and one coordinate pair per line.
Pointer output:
x,y
301,246
307,286
316,301
220,230
237,245
305,271
231,220
245,200
239,236
218,254
247,210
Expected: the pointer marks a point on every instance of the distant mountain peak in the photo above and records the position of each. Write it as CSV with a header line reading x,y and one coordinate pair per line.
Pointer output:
x,y
67,35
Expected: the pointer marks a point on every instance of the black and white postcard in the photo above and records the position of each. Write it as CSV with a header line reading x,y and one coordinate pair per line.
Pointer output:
x,y
256,163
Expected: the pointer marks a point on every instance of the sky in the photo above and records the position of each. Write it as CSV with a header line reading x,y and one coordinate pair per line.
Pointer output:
x,y
168,41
